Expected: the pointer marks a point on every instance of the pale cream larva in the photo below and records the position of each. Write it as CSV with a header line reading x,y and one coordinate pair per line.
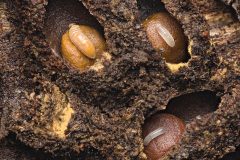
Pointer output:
x,y
81,41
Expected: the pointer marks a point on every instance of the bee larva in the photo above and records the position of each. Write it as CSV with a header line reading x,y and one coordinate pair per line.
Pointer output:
x,y
166,34
161,132
81,41
73,55
81,45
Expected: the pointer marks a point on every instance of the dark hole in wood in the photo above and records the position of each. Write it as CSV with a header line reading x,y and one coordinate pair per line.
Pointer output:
x,y
148,7
190,105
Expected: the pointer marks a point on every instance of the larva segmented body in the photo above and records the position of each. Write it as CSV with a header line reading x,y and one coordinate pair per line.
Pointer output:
x,y
81,45
73,55
81,41
166,35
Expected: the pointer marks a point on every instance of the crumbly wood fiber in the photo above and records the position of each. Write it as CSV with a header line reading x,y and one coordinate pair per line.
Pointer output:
x,y
110,106
235,4
12,149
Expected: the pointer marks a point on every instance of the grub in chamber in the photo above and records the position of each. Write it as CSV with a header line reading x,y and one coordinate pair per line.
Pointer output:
x,y
162,141
167,36
81,45
60,14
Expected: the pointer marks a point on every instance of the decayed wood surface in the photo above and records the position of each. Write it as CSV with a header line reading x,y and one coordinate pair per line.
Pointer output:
x,y
4,23
224,30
